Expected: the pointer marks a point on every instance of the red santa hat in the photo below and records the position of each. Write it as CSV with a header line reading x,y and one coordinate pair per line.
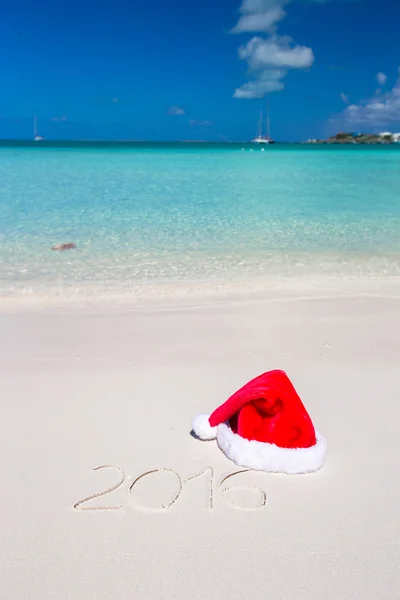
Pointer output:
x,y
264,426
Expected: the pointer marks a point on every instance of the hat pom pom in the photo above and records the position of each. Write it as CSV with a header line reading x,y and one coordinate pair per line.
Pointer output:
x,y
202,428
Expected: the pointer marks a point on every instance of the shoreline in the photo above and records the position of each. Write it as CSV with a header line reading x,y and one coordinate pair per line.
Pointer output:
x,y
194,291
332,290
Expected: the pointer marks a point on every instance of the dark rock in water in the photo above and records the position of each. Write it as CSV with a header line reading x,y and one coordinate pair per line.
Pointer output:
x,y
62,247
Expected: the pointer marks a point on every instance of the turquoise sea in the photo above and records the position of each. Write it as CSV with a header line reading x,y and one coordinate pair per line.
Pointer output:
x,y
151,216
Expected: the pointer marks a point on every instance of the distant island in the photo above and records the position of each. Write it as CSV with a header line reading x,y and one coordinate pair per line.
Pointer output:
x,y
360,138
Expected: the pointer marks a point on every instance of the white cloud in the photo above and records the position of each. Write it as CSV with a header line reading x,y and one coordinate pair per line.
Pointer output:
x,y
275,52
269,58
269,80
176,111
259,21
381,78
374,112
344,98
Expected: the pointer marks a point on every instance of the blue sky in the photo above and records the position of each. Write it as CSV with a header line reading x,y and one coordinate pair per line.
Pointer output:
x,y
179,69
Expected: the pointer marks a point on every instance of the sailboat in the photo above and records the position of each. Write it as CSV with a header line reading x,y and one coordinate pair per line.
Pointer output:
x,y
36,137
263,139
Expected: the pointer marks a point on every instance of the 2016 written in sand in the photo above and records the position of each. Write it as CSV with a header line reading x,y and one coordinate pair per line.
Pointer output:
x,y
214,489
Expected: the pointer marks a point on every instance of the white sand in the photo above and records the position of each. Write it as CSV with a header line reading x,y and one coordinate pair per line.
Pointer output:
x,y
85,387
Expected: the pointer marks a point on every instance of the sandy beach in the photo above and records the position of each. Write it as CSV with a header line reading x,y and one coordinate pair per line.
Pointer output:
x,y
116,387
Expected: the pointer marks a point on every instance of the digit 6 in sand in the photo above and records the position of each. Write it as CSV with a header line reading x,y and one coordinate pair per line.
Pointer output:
x,y
262,500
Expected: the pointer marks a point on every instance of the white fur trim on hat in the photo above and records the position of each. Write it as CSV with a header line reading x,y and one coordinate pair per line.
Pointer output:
x,y
262,456
202,428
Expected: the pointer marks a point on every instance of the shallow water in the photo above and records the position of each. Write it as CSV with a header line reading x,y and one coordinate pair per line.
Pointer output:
x,y
154,215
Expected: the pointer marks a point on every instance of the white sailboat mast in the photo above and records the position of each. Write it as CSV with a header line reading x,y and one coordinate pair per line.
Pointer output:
x,y
260,125
268,123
